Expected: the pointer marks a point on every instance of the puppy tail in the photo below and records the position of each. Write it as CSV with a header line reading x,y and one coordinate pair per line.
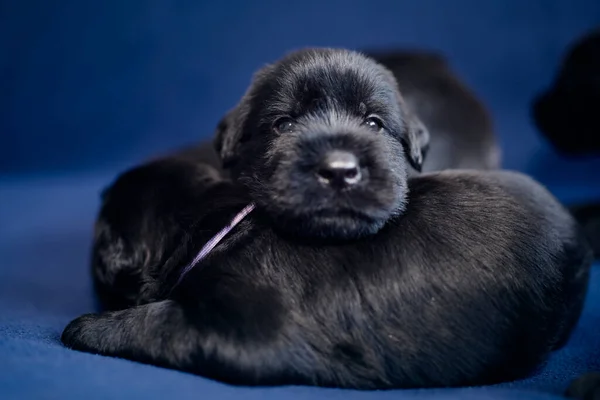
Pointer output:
x,y
588,216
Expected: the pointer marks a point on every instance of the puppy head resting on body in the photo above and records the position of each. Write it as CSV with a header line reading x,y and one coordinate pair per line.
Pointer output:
x,y
323,141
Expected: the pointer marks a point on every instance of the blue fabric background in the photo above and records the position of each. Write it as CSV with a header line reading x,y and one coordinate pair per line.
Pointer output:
x,y
88,88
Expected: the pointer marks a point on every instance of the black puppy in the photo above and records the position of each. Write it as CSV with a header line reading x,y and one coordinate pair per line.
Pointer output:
x,y
566,113
346,273
461,130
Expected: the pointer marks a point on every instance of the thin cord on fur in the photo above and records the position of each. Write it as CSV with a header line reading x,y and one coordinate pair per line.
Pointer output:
x,y
212,243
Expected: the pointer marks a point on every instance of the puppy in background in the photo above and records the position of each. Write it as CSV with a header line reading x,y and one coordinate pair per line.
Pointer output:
x,y
566,113
461,130
347,273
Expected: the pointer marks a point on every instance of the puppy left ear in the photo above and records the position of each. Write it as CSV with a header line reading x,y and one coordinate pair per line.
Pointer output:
x,y
223,140
416,142
229,134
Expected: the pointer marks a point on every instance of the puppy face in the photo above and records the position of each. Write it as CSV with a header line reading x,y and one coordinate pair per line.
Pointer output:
x,y
321,140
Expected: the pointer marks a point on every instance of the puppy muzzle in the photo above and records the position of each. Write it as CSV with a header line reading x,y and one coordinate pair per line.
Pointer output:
x,y
337,162
352,181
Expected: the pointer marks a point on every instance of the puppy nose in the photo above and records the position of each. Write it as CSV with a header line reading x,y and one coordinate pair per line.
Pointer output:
x,y
340,169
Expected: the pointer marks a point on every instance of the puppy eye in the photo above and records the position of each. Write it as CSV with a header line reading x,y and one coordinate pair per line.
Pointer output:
x,y
374,123
285,125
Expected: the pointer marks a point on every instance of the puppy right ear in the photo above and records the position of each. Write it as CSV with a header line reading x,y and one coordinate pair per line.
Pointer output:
x,y
416,141
416,135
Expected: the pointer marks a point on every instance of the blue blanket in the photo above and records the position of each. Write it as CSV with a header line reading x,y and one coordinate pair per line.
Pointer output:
x,y
91,87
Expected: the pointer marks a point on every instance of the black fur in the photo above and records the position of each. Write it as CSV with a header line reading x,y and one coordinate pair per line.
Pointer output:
x,y
468,278
475,283
461,129
566,113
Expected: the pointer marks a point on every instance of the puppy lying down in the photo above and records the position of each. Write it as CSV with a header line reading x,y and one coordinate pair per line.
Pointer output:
x,y
346,273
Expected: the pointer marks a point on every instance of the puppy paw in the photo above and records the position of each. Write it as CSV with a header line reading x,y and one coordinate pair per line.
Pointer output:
x,y
82,334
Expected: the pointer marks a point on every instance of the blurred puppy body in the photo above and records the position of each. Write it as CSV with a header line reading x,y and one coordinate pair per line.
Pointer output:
x,y
566,113
348,273
461,130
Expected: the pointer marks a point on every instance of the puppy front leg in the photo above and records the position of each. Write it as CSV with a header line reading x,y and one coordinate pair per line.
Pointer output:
x,y
154,333
166,334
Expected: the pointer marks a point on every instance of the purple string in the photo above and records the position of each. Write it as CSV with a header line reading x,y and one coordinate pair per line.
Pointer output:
x,y
215,240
